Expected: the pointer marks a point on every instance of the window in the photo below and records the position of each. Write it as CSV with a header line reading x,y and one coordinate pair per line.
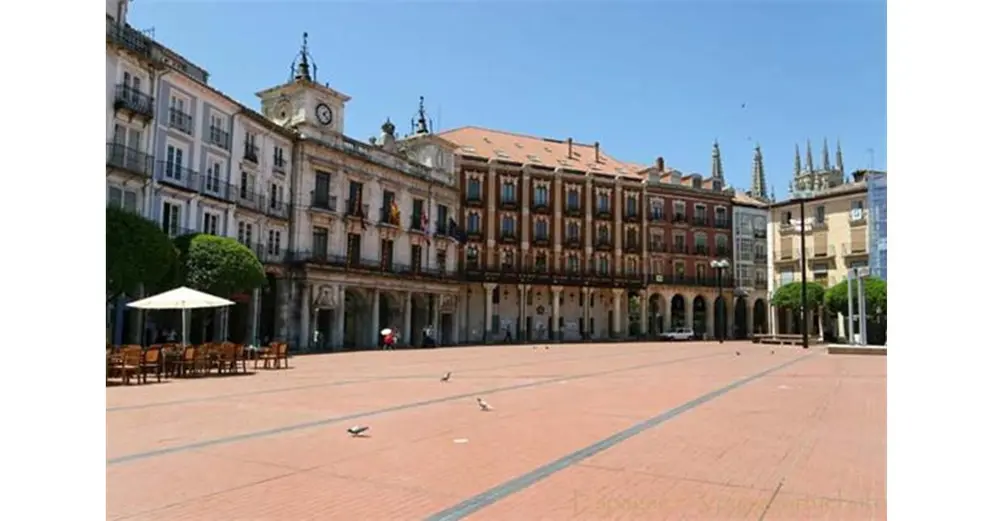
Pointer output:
x,y
679,243
603,233
508,226
699,214
354,250
442,260
786,217
679,271
172,216
541,195
759,250
603,202
604,266
541,230
474,189
417,214
759,223
631,205
509,194
721,245
541,262
251,150
821,214
274,245
212,182
573,231
174,163
474,222
700,240
657,241
442,217
657,210
128,137
124,199
244,233
573,199
631,266
322,190
744,247
217,122
275,195
278,157
631,237
700,272
177,104
507,260
721,216
573,263
680,210
210,223
472,257
247,185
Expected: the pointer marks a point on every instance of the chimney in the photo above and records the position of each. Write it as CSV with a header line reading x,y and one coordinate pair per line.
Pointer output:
x,y
596,146
570,148
660,163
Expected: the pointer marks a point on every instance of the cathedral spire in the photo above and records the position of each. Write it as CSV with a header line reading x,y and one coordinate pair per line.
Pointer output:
x,y
809,156
797,167
839,162
826,155
716,171
758,186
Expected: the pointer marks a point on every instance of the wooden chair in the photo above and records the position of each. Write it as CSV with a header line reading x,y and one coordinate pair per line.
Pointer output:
x,y
274,354
225,358
152,362
240,357
130,363
187,361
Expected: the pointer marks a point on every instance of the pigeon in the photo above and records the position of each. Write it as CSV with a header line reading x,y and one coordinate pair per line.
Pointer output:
x,y
483,405
446,377
357,430
738,353
547,347
772,351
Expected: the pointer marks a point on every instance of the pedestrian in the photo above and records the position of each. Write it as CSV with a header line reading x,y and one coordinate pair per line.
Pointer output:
x,y
388,340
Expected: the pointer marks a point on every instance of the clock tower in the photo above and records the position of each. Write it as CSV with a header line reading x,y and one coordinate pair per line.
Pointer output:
x,y
301,103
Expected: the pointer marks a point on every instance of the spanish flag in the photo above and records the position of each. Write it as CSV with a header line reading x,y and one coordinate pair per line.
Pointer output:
x,y
394,213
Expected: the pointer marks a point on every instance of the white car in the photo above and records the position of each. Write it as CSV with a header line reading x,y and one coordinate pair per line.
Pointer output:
x,y
682,333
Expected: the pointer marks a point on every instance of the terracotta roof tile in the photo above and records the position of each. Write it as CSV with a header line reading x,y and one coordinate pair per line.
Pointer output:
x,y
741,197
519,148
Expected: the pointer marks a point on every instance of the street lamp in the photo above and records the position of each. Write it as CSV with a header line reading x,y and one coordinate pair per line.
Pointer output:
x,y
719,265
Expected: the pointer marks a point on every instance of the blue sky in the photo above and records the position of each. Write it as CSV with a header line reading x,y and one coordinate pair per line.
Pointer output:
x,y
642,78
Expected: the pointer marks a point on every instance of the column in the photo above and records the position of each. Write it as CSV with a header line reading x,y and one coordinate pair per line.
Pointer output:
x,y
318,340
375,318
772,319
749,317
585,310
710,320
405,335
282,311
436,318
306,338
666,316
256,311
617,322
487,321
456,321
339,319
522,291
555,312
644,314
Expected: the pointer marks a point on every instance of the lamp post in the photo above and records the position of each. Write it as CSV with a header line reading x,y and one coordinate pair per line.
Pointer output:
x,y
719,266
802,270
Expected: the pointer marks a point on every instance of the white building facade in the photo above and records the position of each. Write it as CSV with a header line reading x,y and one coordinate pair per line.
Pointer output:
x,y
750,267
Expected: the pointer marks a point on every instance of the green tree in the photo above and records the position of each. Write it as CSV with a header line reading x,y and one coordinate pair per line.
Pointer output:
x,y
138,253
835,299
790,296
218,265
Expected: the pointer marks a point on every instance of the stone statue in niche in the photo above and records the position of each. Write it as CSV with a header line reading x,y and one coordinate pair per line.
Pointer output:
x,y
325,297
447,302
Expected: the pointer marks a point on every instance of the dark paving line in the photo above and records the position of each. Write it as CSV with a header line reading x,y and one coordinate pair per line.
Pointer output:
x,y
402,407
499,492
338,383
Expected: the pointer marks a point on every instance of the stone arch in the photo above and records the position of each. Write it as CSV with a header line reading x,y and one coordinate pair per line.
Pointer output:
x,y
720,317
760,317
680,313
740,318
357,309
656,314
699,316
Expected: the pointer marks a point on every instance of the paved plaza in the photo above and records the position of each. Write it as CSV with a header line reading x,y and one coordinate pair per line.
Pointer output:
x,y
606,431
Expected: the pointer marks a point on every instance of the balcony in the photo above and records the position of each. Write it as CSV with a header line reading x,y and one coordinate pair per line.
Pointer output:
x,y
212,186
278,164
247,198
541,241
509,204
723,251
658,247
386,216
176,175
681,249
855,249
857,217
325,202
129,160
700,220
818,225
790,255
722,224
417,223
679,218
474,235
702,282
656,217
267,255
371,266
219,138
508,237
822,252
573,243
129,38
761,284
701,249
536,275
474,201
181,121
604,245
631,217
632,247
603,213
353,208
278,209
251,153
573,211
133,102
540,207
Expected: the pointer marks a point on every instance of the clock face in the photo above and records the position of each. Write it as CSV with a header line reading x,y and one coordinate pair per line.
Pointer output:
x,y
324,114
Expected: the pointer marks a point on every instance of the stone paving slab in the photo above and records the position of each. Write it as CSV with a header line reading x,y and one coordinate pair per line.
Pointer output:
x,y
824,432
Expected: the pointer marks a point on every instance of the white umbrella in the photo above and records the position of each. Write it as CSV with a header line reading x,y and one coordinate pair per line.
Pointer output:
x,y
182,298
385,331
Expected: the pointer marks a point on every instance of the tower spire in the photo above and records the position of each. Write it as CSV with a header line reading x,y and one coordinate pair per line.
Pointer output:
x,y
839,162
300,69
809,156
716,171
826,155
758,186
797,167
